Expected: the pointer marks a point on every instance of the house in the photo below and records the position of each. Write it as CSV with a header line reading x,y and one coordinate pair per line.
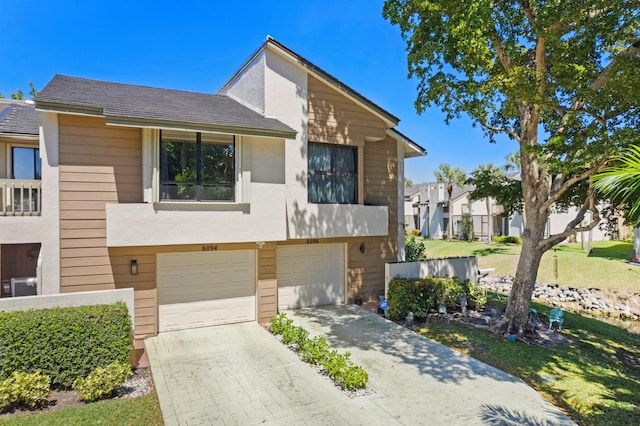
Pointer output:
x,y
283,190
20,197
430,214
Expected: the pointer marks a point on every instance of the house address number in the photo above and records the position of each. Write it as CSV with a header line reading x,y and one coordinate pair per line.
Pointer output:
x,y
313,241
209,247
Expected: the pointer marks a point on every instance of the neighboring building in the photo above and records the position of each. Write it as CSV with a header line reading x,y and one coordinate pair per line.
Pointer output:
x,y
20,197
430,213
283,190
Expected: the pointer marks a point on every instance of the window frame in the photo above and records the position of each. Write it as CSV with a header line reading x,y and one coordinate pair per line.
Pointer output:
x,y
357,153
10,163
198,183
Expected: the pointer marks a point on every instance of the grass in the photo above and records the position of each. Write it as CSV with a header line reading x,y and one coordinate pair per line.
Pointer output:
x,y
144,410
595,378
605,267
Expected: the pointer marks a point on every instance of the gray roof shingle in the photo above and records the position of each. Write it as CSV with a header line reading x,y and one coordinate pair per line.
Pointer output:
x,y
18,118
119,101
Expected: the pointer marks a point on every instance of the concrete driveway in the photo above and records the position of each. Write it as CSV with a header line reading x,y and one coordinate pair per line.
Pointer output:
x,y
239,374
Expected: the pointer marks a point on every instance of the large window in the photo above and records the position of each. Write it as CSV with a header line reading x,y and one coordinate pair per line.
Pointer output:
x,y
333,173
196,166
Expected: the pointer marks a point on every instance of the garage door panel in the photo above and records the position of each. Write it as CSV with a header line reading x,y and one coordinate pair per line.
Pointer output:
x,y
205,288
310,275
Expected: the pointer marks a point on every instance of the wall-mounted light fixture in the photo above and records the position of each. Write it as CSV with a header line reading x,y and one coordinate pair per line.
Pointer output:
x,y
260,244
134,267
361,247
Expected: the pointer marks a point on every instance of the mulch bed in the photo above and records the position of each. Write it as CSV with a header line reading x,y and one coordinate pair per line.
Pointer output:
x,y
140,383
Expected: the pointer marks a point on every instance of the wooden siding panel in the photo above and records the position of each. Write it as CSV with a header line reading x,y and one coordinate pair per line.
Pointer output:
x,y
267,300
333,118
99,164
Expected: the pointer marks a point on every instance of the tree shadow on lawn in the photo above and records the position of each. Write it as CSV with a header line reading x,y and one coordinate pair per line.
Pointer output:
x,y
619,251
490,250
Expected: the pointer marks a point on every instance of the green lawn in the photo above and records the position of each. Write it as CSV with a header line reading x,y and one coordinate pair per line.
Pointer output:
x,y
143,411
595,378
604,268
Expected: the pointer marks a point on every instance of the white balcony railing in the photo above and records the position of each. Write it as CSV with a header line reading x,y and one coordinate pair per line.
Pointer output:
x,y
20,197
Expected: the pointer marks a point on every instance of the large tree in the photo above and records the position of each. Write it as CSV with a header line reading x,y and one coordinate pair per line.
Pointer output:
x,y
560,78
451,176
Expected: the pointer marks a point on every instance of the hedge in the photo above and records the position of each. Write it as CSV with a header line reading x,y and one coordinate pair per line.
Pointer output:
x,y
419,296
64,343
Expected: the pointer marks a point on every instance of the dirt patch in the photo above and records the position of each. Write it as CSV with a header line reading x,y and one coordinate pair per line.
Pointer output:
x,y
140,383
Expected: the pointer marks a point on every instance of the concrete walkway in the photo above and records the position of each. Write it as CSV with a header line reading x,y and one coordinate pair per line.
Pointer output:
x,y
239,374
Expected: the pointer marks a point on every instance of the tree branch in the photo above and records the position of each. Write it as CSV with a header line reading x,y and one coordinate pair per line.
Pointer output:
x,y
558,189
588,205
506,130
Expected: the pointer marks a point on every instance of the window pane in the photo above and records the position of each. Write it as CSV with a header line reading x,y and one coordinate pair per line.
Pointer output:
x,y
197,166
333,176
26,163
178,166
319,157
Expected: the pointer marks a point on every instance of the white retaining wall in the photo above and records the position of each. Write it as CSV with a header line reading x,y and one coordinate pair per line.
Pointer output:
x,y
66,300
465,268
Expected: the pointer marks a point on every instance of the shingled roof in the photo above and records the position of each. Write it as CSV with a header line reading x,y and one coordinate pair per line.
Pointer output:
x,y
18,118
128,104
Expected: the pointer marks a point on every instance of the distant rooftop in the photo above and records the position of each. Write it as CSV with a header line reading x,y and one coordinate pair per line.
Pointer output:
x,y
18,118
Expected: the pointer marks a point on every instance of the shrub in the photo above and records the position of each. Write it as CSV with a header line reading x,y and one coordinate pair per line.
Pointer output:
x,y
507,239
24,389
415,232
315,351
294,336
64,343
102,382
318,352
418,296
414,250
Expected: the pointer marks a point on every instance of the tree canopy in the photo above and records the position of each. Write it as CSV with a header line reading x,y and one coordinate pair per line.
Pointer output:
x,y
19,94
560,78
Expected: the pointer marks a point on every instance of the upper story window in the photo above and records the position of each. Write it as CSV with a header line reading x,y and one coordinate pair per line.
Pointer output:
x,y
25,163
196,166
333,173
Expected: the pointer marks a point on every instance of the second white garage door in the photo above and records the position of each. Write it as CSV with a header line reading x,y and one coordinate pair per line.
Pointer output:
x,y
310,275
198,289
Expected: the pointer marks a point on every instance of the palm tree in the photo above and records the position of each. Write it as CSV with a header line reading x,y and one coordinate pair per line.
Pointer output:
x,y
486,173
621,181
450,176
513,161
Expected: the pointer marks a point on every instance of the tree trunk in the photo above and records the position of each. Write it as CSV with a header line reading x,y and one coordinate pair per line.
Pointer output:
x,y
517,312
536,186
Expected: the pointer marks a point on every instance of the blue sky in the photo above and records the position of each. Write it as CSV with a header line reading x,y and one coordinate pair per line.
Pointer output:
x,y
196,46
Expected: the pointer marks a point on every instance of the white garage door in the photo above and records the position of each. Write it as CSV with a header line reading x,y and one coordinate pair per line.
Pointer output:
x,y
310,275
198,289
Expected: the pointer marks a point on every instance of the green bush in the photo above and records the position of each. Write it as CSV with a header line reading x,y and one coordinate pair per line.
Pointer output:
x,y
414,250
419,296
102,382
315,351
24,390
64,343
318,352
507,239
294,336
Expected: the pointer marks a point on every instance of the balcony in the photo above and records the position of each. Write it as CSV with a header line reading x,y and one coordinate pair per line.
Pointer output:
x,y
20,197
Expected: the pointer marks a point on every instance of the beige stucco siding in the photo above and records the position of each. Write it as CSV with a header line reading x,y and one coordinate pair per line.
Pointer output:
x,y
334,118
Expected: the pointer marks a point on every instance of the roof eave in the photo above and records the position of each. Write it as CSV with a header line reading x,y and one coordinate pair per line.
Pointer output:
x,y
198,127
414,150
